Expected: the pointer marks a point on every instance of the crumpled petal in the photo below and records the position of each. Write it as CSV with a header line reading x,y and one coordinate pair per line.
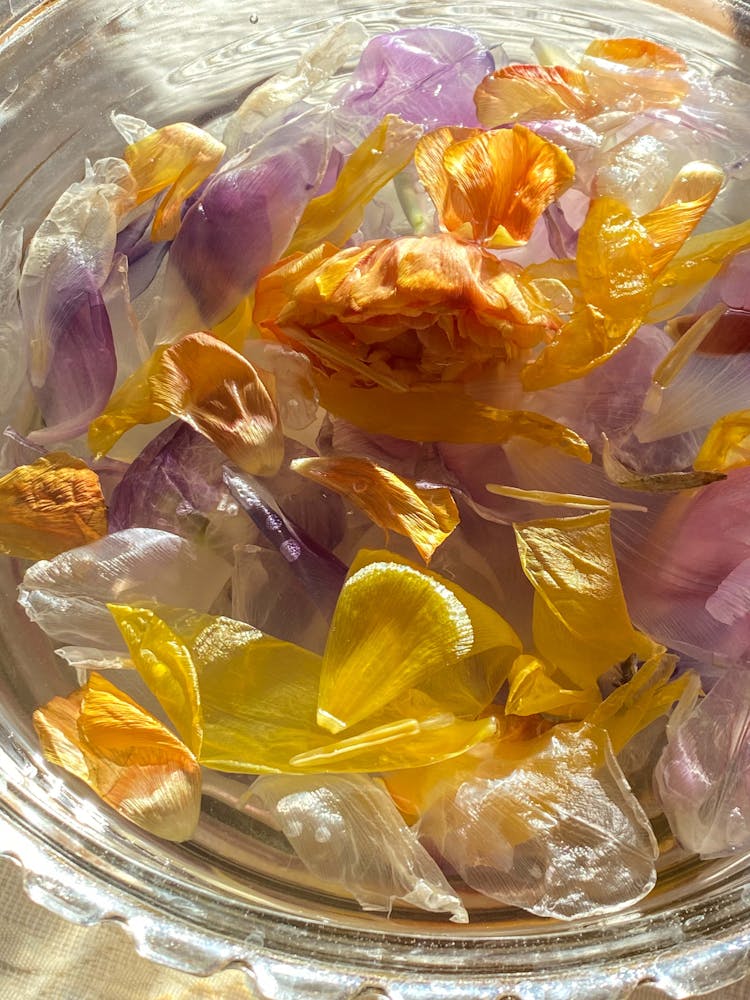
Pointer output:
x,y
129,758
553,827
701,776
335,215
424,513
526,92
532,690
727,444
67,596
179,157
71,353
634,73
425,75
54,504
347,831
581,622
492,186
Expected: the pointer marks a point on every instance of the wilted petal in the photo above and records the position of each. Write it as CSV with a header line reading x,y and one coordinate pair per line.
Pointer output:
x,y
634,73
492,186
334,216
68,595
528,92
50,506
425,75
581,622
347,831
425,514
125,755
533,690
653,482
552,828
179,157
727,444
297,397
701,776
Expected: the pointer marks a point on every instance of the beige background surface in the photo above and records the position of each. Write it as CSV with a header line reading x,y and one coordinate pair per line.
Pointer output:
x,y
42,957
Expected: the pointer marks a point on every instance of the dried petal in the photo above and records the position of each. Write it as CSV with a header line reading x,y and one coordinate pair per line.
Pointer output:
x,y
125,755
654,482
50,506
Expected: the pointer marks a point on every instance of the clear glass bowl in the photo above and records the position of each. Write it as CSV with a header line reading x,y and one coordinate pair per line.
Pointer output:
x,y
235,895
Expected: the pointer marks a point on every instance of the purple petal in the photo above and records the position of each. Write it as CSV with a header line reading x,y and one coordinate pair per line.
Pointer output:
x,y
424,75
144,257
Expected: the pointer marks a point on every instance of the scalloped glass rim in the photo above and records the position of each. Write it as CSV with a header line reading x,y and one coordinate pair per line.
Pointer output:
x,y
234,896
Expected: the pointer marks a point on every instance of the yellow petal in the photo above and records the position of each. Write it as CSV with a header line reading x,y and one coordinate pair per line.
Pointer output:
x,y
532,690
425,515
219,393
52,505
549,499
654,482
443,414
125,755
727,444
397,627
492,186
336,215
179,157
581,622
527,92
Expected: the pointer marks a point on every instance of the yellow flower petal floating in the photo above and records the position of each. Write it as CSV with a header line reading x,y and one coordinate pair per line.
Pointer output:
x,y
426,515
179,157
397,626
125,755
378,158
54,504
523,92
247,702
634,73
727,444
580,620
532,690
492,186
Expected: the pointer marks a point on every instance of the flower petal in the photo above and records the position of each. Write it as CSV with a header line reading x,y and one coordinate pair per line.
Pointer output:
x,y
727,444
528,92
125,755
532,690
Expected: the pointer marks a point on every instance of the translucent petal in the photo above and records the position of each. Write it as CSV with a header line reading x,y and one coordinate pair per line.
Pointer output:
x,y
581,622
426,515
52,505
527,92
125,755
12,346
634,73
179,157
727,444
553,828
336,215
532,690
653,482
550,499
347,831
492,186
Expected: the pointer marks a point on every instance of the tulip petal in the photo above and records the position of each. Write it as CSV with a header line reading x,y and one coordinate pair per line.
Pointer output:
x,y
125,755
50,506
532,690
533,93
179,157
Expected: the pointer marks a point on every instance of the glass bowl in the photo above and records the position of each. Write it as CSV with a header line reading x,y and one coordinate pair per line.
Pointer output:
x,y
234,895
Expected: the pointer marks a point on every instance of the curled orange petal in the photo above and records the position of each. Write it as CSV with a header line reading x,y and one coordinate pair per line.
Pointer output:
x,y
129,758
634,72
179,157
492,186
426,515
527,92
638,53
50,506
220,394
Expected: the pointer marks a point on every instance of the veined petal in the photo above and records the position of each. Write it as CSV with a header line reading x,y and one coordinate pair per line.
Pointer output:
x,y
532,93
727,444
125,755
581,622
532,690
426,515
492,186
634,73
336,215
179,157
50,506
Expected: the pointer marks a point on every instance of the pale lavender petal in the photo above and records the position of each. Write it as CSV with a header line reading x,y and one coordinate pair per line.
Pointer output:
x,y
425,75
144,257
703,775
347,831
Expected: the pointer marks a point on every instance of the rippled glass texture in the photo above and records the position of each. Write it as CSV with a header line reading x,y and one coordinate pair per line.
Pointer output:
x,y
234,894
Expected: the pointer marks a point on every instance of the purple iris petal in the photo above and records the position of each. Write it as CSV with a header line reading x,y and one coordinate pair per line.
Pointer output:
x,y
144,257
424,75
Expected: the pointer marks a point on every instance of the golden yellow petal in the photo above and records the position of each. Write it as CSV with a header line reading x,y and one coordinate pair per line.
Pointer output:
x,y
532,690
378,158
526,92
425,515
727,444
52,505
492,186
549,499
178,156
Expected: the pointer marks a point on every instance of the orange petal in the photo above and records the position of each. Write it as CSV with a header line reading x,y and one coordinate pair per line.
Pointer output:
x,y
527,92
132,761
634,72
178,157
492,186
50,506
426,515
727,444
638,53
219,393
